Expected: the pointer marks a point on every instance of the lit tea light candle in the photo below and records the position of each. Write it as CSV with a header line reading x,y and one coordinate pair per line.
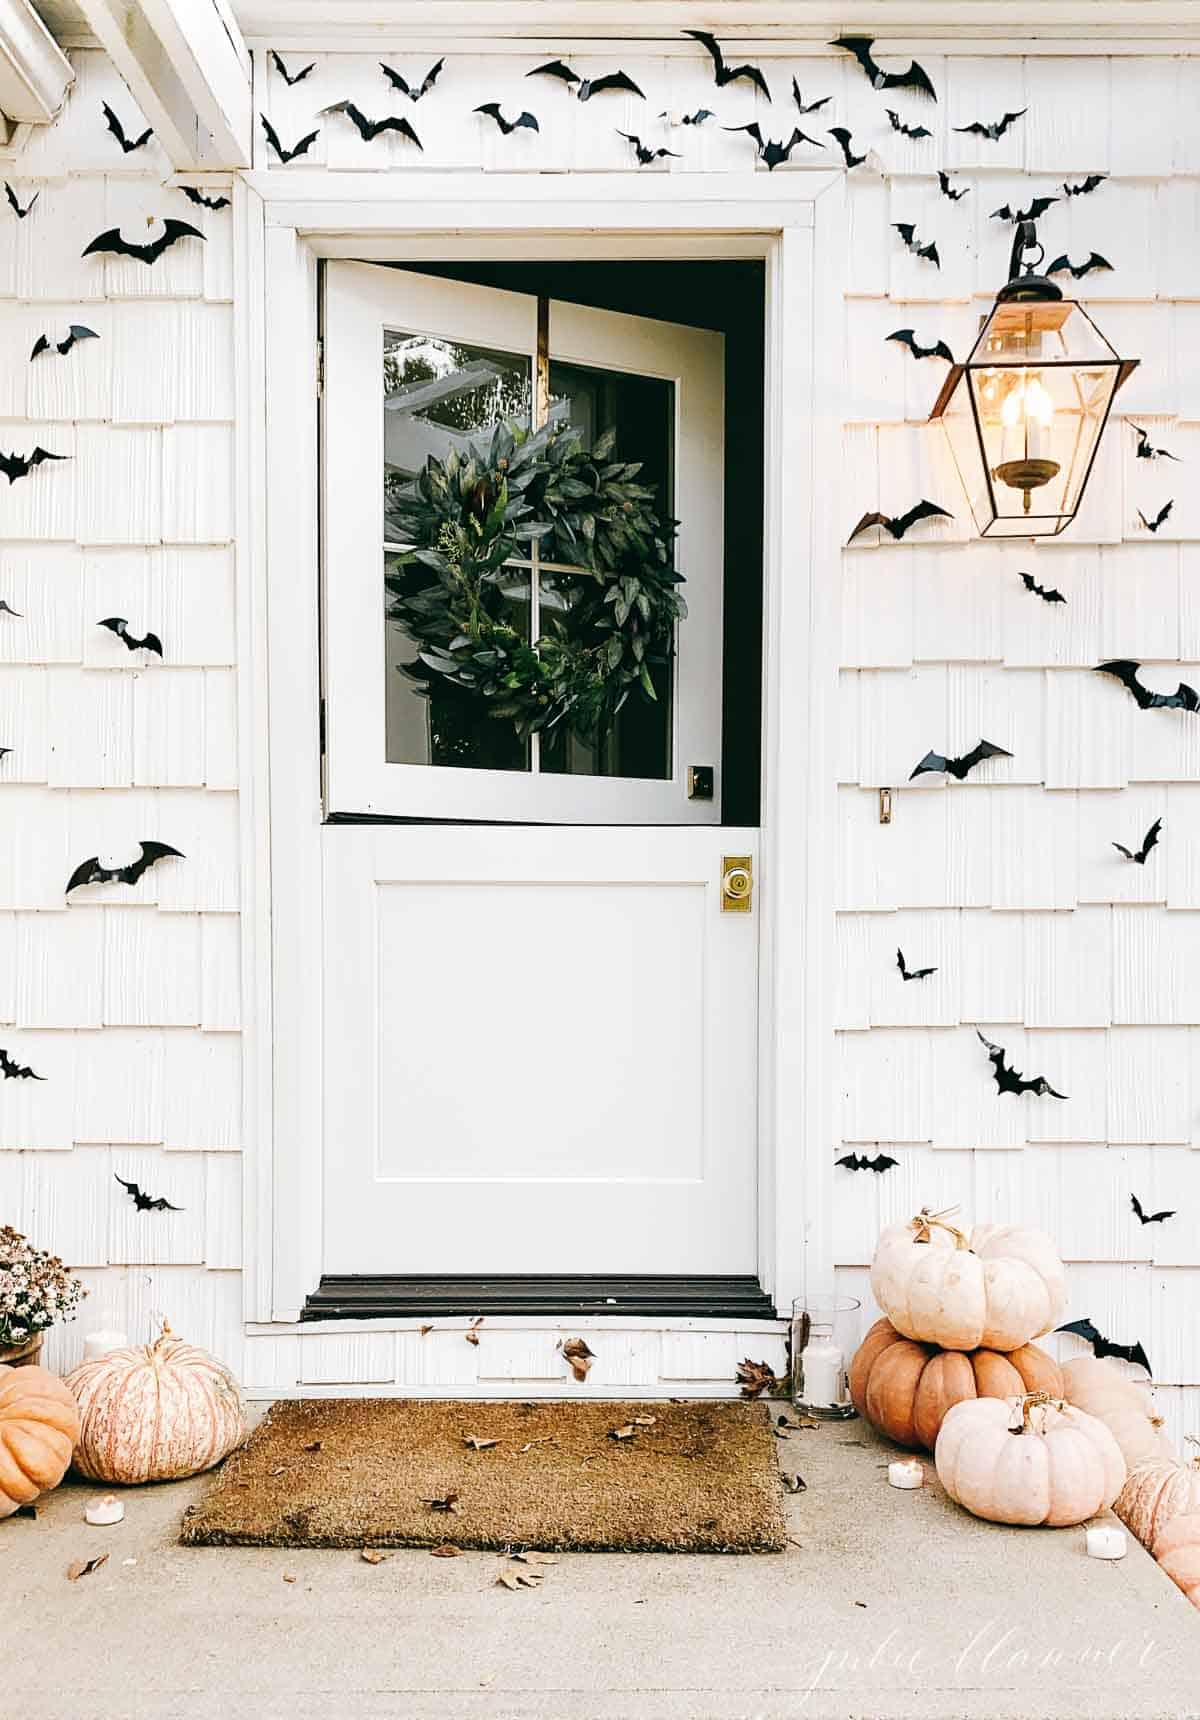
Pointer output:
x,y
103,1511
906,1473
1106,1543
98,1344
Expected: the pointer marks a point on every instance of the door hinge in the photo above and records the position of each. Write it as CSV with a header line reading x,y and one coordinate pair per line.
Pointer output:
x,y
321,726
320,368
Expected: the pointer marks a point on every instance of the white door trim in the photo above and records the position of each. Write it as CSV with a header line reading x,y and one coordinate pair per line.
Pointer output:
x,y
285,229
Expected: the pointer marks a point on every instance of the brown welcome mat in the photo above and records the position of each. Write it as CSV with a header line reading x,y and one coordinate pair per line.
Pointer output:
x,y
337,1472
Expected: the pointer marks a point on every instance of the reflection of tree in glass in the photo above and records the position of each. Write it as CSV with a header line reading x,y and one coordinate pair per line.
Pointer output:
x,y
505,393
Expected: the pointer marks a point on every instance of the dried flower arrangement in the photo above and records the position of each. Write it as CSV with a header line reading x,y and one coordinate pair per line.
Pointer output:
x,y
36,1290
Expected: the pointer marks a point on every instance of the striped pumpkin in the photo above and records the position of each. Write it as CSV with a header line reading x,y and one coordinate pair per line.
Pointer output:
x,y
155,1412
39,1425
1155,1494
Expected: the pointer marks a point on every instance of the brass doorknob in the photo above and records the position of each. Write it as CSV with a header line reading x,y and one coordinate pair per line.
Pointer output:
x,y
737,883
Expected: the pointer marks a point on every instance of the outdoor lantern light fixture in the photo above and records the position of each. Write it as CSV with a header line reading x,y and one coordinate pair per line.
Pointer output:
x,y
1025,413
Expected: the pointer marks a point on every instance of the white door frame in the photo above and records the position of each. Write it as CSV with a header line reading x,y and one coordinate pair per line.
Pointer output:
x,y
285,223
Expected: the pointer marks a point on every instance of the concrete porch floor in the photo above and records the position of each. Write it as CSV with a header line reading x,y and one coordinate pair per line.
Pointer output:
x,y
888,1604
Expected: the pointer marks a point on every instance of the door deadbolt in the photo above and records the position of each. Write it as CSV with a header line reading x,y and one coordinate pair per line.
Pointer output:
x,y
737,883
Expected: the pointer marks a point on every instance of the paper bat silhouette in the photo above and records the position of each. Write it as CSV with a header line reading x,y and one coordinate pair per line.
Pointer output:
x,y
414,92
369,129
724,73
198,197
900,524
947,190
301,148
1149,841
1163,514
933,762
844,139
16,466
908,233
914,973
697,118
996,130
860,1162
1064,266
290,78
507,126
644,154
1144,451
1048,594
770,151
172,232
76,332
906,130
1102,1346
15,206
143,1202
1010,1080
907,337
14,1071
128,144
915,78
4,751
149,642
6,608
1034,212
583,89
807,107
1086,185
1150,1217
1184,698
92,872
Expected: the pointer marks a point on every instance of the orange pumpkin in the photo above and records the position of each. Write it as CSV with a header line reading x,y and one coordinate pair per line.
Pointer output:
x,y
905,1388
1177,1550
1155,1494
39,1425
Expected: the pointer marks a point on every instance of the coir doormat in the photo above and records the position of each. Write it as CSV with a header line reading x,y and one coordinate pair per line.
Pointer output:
x,y
587,1477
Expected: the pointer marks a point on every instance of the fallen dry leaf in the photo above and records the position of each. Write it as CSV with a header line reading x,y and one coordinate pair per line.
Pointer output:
x,y
509,1579
626,1432
448,1503
289,1577
531,1556
315,1445
578,1357
755,1378
447,1550
794,1484
477,1444
424,1330
85,1567
644,1420
372,1556
546,1439
472,1332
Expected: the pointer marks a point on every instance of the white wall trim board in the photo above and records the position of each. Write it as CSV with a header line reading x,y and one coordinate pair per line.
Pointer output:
x,y
35,74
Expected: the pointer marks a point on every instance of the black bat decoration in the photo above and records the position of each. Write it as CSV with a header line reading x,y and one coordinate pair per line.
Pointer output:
x,y
290,78
117,624
1102,1346
1035,211
76,332
369,129
908,233
906,130
1047,593
697,118
914,973
860,1162
996,130
947,190
807,107
1144,451
128,144
845,139
15,206
915,78
900,524
1162,515
1149,841
1085,185
1150,1217
414,92
6,608
172,232
907,337
1010,1080
507,126
143,1202
198,197
933,762
583,89
14,1071
644,154
770,151
1064,266
92,872
722,72
16,466
301,148
1184,698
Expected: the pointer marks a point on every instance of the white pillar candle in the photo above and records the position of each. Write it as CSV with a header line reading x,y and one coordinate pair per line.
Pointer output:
x,y
1106,1543
823,1367
906,1473
98,1344
105,1510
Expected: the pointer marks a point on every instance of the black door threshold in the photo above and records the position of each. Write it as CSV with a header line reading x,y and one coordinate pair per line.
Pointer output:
x,y
361,1298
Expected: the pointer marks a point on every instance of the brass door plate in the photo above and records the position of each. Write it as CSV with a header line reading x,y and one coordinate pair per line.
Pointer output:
x,y
737,883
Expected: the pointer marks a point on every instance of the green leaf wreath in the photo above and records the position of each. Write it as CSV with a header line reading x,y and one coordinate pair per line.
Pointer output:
x,y
606,627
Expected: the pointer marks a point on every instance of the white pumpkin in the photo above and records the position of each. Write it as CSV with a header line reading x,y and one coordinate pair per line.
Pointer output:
x,y
995,1289
1101,1389
155,1412
1028,1460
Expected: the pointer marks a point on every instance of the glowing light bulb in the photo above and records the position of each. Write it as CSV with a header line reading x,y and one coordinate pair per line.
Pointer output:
x,y
1038,404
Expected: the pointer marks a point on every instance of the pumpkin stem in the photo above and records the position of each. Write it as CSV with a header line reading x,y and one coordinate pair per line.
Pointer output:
x,y
925,1221
1035,1400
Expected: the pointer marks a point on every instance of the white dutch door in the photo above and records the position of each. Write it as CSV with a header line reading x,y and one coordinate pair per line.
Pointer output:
x,y
540,1026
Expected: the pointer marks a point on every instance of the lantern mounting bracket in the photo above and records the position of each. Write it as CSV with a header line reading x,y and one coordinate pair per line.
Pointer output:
x,y
1027,285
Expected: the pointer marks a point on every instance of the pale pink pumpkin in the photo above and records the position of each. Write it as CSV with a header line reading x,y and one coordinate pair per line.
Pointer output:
x,y
1028,1460
155,1412
39,1425
1177,1550
1155,1494
1099,1388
